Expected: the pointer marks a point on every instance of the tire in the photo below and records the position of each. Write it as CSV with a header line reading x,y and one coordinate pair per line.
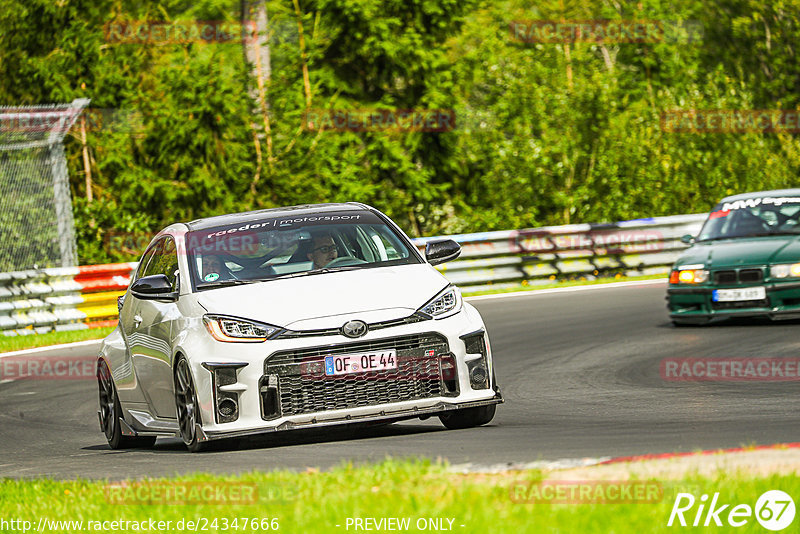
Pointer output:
x,y
186,404
468,417
111,411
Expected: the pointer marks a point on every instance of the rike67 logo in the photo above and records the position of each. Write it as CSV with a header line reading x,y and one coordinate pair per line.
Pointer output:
x,y
774,510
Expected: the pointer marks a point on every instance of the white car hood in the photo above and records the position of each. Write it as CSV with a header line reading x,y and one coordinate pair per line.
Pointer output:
x,y
329,300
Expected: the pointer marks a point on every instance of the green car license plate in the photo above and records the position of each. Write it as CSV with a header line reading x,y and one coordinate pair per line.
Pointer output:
x,y
736,295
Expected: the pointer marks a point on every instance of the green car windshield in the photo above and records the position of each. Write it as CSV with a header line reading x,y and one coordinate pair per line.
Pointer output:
x,y
752,217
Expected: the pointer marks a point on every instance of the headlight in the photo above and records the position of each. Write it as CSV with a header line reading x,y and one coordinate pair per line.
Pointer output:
x,y
688,276
233,329
785,270
446,303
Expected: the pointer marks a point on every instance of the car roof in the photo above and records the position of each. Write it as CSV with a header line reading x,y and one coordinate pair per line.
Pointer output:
x,y
248,216
756,194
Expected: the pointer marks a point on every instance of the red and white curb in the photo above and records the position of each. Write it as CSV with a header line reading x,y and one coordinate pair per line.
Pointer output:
x,y
572,463
709,452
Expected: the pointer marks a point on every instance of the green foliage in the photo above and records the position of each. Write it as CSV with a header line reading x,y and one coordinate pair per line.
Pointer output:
x,y
547,133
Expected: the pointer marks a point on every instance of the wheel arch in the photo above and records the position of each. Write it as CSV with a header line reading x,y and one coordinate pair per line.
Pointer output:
x,y
180,353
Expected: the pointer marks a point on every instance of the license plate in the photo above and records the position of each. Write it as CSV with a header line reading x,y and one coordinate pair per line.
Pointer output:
x,y
363,362
734,295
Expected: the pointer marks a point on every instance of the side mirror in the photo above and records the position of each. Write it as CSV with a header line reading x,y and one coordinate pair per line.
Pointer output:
x,y
154,287
687,239
437,252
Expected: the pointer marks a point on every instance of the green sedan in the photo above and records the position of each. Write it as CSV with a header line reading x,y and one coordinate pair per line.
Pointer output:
x,y
744,263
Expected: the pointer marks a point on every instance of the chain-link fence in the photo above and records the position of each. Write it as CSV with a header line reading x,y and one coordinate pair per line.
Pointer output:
x,y
35,205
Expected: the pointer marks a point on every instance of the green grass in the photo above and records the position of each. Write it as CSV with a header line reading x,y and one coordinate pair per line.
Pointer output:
x,y
318,501
12,343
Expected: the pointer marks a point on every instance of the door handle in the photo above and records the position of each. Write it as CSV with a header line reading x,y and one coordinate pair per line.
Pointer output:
x,y
137,320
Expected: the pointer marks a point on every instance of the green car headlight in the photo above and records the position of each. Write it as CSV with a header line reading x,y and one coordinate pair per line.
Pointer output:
x,y
682,275
785,270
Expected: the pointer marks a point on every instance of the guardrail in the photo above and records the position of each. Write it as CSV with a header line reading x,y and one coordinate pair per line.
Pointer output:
x,y
65,298
73,298
499,260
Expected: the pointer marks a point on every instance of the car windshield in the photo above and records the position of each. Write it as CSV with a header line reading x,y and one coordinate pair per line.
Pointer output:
x,y
287,246
752,217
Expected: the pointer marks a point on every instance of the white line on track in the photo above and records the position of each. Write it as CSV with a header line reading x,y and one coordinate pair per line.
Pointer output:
x,y
571,289
51,348
567,463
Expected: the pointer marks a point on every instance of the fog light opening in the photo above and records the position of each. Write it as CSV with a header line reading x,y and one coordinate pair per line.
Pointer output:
x,y
477,360
227,408
478,377
226,402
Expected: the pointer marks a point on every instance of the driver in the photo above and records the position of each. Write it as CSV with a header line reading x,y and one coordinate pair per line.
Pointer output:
x,y
323,250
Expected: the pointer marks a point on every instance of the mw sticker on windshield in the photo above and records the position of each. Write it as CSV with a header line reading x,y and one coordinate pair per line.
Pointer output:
x,y
762,201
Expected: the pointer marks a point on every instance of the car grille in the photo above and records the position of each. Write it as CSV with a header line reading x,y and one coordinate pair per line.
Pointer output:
x,y
290,334
303,387
764,303
725,277
751,276
738,276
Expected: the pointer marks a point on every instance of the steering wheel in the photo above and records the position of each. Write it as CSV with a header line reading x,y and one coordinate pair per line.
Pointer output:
x,y
344,261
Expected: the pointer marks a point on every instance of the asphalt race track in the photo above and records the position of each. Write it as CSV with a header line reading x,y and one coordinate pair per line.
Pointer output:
x,y
579,371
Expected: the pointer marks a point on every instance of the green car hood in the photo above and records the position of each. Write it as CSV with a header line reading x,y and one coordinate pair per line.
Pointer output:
x,y
743,251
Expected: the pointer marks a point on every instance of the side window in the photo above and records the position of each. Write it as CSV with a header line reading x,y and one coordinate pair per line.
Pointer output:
x,y
169,262
165,261
153,265
146,258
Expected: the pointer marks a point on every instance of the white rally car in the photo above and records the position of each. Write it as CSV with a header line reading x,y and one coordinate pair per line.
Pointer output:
x,y
290,318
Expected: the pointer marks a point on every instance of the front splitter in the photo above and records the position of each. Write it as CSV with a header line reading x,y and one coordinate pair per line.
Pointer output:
x,y
383,415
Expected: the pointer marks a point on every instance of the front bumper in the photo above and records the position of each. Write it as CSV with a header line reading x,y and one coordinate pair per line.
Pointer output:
x,y
388,413
695,305
252,379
